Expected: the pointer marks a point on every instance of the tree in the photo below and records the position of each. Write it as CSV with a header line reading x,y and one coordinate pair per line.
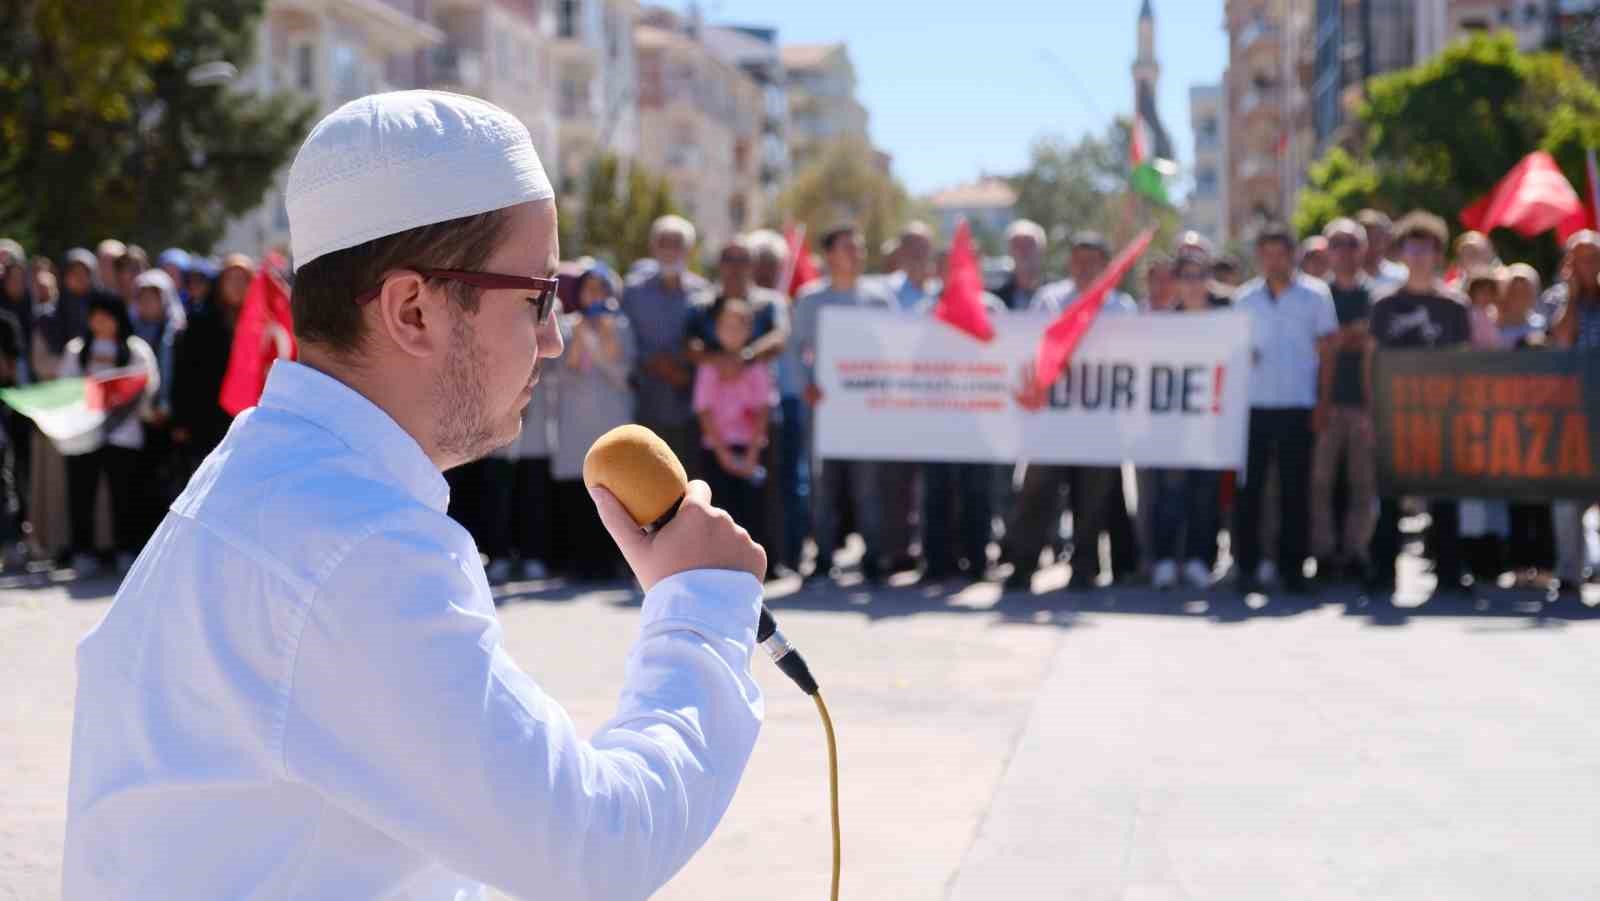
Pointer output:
x,y
107,131
1440,135
845,182
613,218
1069,188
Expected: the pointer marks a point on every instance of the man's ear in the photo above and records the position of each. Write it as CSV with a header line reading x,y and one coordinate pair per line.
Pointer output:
x,y
410,316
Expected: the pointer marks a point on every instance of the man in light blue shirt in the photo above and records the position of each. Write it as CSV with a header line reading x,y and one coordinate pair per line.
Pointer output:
x,y
1292,321
843,255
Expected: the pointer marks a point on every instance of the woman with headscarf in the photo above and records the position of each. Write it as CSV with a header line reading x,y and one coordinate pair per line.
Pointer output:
x,y
594,393
108,343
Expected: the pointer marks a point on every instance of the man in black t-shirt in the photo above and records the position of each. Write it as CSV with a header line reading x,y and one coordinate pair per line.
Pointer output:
x,y
1344,423
1419,315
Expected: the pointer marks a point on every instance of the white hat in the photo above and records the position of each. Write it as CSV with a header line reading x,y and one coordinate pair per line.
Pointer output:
x,y
387,163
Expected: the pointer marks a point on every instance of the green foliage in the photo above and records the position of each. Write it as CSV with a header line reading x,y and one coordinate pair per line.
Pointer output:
x,y
845,182
1440,135
104,135
612,220
1068,188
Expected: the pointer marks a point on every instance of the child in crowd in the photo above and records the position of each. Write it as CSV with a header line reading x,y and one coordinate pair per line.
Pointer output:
x,y
1483,293
732,403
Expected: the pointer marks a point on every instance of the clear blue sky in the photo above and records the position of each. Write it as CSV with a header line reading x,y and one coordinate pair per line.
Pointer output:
x,y
957,88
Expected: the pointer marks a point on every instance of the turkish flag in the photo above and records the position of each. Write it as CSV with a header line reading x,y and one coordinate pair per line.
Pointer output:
x,y
265,333
801,272
961,304
1062,337
1533,197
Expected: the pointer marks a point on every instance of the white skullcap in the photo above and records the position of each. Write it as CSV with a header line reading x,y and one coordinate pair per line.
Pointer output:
x,y
387,163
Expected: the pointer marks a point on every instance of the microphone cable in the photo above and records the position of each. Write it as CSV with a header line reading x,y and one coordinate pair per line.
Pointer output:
x,y
794,666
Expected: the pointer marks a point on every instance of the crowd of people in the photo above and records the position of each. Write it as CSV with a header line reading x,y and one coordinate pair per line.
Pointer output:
x,y
724,371
92,506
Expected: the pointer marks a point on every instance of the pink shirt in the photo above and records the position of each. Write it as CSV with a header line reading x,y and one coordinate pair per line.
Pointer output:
x,y
735,404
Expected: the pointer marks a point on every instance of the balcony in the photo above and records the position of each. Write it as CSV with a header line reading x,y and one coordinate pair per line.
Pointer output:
x,y
387,28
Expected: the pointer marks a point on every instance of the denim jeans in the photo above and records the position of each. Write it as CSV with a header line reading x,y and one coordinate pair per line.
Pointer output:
x,y
956,515
1185,509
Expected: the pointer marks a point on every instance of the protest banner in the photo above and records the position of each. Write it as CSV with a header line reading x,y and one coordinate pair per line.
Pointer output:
x,y
1489,424
1168,390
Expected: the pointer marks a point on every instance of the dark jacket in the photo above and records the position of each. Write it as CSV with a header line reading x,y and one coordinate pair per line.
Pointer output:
x,y
200,362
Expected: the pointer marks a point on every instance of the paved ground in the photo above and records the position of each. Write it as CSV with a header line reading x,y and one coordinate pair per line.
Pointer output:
x,y
1122,745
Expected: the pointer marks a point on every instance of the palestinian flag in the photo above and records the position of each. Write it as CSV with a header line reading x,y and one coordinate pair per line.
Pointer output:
x,y
71,412
1147,176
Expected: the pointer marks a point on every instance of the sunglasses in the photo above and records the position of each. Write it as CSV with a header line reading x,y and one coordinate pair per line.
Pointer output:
x,y
543,290
1344,244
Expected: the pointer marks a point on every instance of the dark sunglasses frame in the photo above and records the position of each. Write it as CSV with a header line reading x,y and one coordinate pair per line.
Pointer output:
x,y
544,289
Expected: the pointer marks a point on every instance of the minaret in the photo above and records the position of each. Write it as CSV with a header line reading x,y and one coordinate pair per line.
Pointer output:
x,y
1145,72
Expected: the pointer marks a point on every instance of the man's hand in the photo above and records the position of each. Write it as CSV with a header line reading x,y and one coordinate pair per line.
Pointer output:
x,y
1320,417
813,395
700,536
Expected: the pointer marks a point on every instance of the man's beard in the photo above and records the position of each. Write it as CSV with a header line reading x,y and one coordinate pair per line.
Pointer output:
x,y
464,430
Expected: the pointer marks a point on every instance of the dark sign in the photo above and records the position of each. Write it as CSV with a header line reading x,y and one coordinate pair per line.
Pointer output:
x,y
1493,424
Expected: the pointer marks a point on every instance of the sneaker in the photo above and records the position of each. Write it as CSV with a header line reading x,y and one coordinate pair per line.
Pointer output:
x,y
1165,575
85,565
499,571
534,570
1267,572
1197,574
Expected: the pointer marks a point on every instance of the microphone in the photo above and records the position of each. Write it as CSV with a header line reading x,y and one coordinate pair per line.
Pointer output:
x,y
636,466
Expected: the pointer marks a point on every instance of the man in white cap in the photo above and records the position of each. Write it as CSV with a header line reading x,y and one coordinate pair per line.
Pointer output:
x,y
301,690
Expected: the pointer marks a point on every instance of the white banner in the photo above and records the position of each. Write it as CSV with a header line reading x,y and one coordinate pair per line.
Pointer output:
x,y
1156,390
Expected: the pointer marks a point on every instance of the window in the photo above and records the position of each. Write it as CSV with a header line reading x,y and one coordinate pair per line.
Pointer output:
x,y
572,98
567,19
502,55
347,80
305,72
1205,182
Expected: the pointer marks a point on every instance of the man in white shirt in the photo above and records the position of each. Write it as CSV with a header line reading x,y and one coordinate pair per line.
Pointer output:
x,y
301,689
1292,319
1098,502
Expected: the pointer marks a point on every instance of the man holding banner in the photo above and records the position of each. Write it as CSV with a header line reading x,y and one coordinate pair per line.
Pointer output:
x,y
1419,316
844,254
1096,491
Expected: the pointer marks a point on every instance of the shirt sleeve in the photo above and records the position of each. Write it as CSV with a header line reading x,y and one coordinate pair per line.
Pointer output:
x,y
703,388
1327,314
407,712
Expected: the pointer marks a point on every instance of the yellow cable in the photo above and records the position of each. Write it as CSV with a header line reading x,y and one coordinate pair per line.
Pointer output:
x,y
833,787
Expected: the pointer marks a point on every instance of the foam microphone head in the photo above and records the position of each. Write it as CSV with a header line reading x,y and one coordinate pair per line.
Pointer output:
x,y
634,464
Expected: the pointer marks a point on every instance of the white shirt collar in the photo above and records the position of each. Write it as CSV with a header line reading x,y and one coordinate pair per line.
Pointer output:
x,y
337,408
